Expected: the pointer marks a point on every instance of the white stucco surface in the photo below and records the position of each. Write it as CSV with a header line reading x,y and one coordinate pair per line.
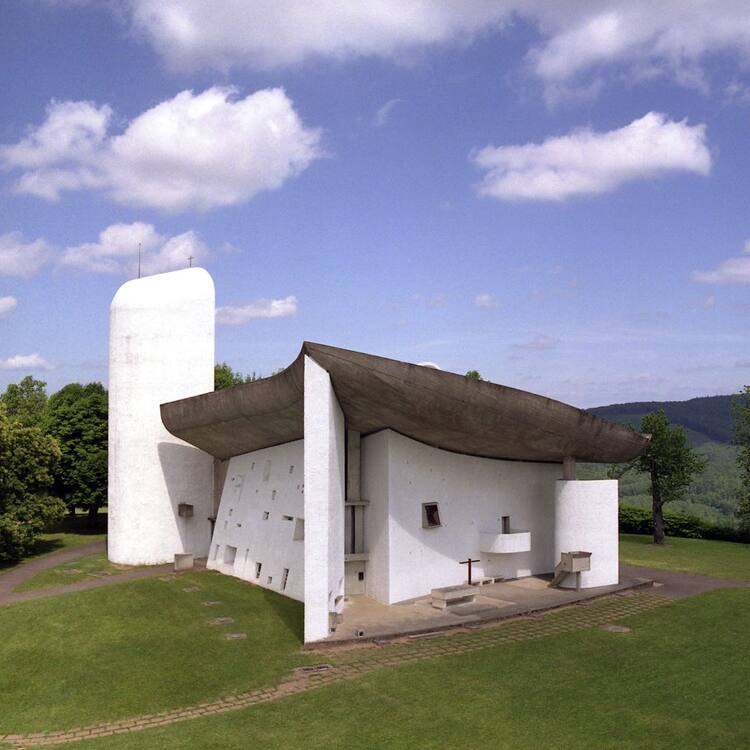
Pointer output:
x,y
161,348
325,488
586,520
262,505
473,494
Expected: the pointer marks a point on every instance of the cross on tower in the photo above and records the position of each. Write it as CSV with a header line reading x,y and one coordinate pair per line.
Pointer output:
x,y
191,258
468,562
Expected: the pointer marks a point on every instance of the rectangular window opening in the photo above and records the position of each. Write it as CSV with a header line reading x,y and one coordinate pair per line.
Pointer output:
x,y
505,524
284,578
287,518
230,553
270,580
266,515
258,568
299,530
430,516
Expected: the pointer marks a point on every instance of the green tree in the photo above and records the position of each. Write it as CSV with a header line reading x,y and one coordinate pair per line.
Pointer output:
x,y
741,414
26,401
473,375
226,377
77,417
27,461
669,462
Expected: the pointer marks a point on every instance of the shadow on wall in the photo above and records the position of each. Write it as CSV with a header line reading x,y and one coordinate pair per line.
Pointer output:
x,y
188,476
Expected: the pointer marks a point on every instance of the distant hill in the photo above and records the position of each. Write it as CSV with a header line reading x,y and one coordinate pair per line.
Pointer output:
x,y
705,419
708,424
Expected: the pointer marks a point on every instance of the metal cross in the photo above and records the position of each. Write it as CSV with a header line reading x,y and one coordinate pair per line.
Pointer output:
x,y
190,261
468,562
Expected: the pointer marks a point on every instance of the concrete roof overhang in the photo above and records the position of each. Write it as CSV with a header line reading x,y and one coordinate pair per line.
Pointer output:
x,y
438,408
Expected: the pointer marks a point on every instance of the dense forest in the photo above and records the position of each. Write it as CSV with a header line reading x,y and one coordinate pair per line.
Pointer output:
x,y
708,424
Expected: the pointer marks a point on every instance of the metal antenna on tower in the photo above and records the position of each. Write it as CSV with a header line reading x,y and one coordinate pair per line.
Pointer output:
x,y
139,260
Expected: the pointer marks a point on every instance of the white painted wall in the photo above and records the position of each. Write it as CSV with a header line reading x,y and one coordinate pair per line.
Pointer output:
x,y
265,481
472,493
586,519
161,348
324,461
374,465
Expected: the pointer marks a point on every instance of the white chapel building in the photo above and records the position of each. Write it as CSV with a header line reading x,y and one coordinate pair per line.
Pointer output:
x,y
345,474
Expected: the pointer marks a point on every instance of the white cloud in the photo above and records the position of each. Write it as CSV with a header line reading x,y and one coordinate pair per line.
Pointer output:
x,y
382,115
268,34
25,362
194,151
579,39
7,305
485,300
586,162
117,251
669,37
261,308
731,271
538,343
19,258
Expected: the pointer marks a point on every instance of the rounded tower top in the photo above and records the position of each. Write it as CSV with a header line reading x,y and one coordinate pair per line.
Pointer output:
x,y
184,286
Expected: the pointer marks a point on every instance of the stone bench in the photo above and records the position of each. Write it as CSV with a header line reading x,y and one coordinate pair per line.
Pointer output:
x,y
442,598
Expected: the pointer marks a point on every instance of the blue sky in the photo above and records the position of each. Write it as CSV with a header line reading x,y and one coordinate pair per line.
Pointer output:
x,y
556,197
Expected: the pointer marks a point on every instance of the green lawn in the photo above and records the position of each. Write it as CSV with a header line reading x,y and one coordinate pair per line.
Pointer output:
x,y
72,531
705,556
678,680
139,647
81,569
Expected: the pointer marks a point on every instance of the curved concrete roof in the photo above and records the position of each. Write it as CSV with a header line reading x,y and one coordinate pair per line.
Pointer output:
x,y
439,408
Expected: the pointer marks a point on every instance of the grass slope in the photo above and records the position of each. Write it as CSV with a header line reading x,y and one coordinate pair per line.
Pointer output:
x,y
704,556
71,532
678,680
81,569
139,647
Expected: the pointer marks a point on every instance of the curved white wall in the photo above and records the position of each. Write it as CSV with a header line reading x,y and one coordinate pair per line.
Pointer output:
x,y
161,348
586,519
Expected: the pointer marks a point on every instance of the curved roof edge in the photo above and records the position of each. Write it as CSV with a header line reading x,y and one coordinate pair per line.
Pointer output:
x,y
435,407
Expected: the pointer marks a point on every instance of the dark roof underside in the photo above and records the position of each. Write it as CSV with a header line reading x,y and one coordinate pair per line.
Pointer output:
x,y
438,408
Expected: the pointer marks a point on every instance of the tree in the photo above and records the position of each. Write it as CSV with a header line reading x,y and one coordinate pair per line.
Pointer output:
x,y
77,417
26,401
226,377
27,461
473,375
670,463
741,414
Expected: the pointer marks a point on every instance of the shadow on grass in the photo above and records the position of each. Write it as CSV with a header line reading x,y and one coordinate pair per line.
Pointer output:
x,y
79,524
289,611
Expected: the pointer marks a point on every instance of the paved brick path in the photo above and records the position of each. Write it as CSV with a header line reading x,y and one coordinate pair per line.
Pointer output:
x,y
349,663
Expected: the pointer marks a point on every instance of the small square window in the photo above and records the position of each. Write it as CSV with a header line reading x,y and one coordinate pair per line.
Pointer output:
x,y
430,516
266,514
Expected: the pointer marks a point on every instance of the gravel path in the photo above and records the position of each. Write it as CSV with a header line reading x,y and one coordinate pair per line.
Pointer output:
x,y
24,571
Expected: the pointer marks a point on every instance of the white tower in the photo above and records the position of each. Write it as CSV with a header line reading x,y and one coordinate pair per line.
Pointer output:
x,y
161,348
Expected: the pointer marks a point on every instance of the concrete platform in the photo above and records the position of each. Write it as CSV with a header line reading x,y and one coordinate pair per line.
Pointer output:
x,y
495,601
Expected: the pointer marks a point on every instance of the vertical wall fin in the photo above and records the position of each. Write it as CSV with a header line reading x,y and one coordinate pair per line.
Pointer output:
x,y
325,451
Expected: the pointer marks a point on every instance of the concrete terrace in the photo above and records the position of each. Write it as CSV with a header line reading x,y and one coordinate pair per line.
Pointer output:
x,y
496,601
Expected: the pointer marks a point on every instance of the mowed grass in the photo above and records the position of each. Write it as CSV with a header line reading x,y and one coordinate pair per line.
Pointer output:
x,y
80,569
140,647
678,680
703,556
71,532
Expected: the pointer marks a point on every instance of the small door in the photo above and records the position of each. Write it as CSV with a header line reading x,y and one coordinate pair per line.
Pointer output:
x,y
354,578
